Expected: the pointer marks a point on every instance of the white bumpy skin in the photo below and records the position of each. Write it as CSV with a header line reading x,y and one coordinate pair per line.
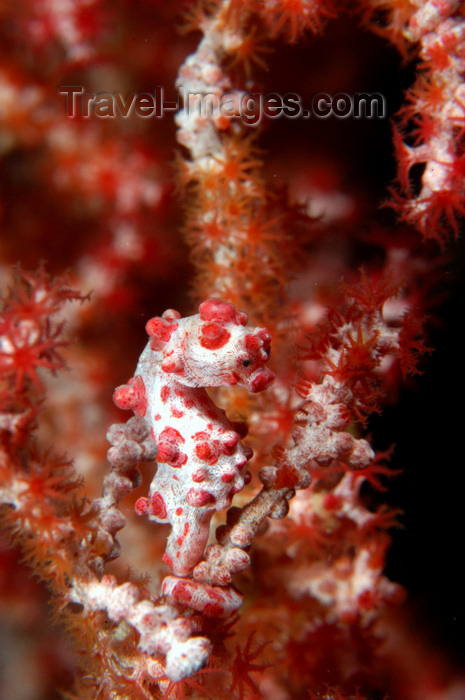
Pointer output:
x,y
201,459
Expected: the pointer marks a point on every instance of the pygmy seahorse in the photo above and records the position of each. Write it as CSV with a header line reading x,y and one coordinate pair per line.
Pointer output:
x,y
201,459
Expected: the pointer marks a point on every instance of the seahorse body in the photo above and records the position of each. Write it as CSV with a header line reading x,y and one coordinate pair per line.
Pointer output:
x,y
201,459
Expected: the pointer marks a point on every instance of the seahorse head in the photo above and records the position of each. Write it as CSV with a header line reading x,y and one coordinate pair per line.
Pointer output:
x,y
215,348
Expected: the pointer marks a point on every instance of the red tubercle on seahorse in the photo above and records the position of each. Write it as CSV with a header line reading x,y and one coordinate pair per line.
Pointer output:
x,y
160,329
132,396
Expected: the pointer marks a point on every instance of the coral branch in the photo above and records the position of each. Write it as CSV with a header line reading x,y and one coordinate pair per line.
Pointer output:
x,y
434,117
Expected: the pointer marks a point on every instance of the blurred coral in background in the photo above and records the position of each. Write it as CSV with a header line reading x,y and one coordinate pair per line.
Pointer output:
x,y
335,573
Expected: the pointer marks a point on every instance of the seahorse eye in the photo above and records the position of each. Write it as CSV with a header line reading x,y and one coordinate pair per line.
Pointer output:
x,y
246,362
